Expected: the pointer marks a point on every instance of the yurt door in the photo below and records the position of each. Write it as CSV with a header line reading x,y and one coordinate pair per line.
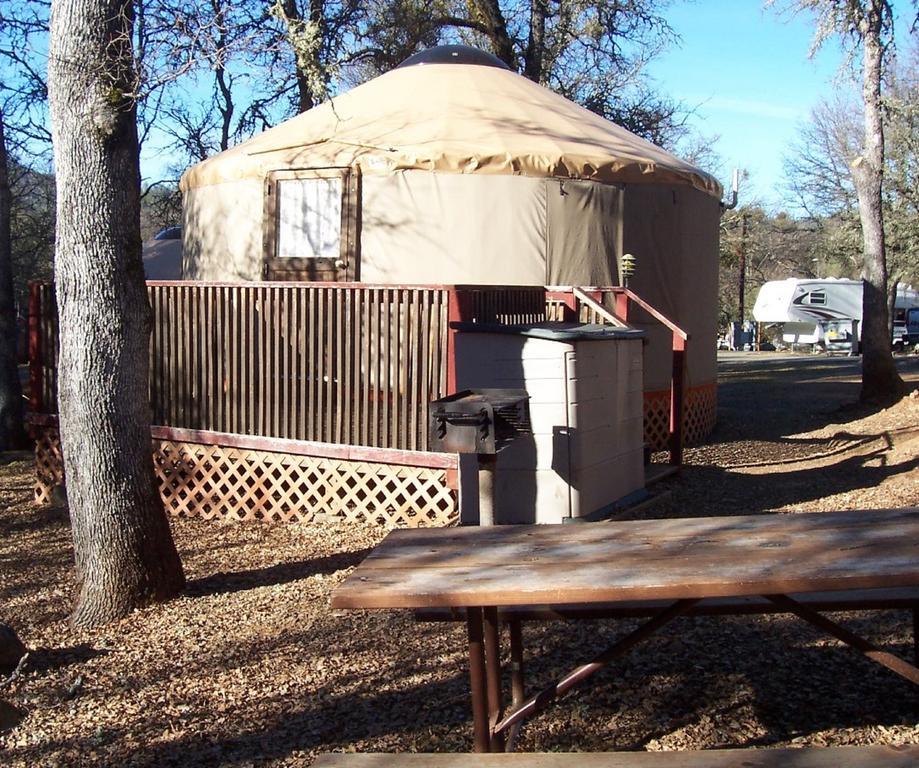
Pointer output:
x,y
310,225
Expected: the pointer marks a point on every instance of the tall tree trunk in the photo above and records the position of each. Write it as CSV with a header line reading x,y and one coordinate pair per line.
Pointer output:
x,y
892,287
124,552
533,66
488,14
12,434
225,104
880,380
304,60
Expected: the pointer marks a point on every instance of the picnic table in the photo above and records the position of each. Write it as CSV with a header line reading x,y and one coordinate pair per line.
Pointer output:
x,y
678,561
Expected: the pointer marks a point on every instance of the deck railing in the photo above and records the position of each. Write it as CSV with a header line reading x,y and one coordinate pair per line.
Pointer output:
x,y
352,364
343,363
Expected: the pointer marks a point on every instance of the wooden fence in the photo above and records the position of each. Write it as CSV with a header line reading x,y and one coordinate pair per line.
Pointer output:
x,y
352,364
334,363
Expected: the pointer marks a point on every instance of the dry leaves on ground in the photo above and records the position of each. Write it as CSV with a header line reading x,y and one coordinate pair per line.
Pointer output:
x,y
252,667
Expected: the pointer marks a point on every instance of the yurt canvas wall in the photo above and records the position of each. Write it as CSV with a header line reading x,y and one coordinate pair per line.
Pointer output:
x,y
428,227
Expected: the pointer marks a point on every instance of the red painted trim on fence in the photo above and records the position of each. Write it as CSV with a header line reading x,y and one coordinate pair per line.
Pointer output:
x,y
447,461
287,284
458,305
36,372
661,318
308,448
661,394
567,298
318,284
622,307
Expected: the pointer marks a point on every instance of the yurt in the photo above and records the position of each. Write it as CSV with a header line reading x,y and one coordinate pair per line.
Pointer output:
x,y
452,169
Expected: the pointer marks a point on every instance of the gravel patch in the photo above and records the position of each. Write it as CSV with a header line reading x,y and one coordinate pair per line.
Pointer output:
x,y
251,667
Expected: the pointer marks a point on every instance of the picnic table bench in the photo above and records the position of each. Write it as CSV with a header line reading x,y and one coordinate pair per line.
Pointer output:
x,y
823,757
676,564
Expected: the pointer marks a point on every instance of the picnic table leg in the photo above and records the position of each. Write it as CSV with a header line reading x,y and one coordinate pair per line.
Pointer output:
x,y
493,677
518,689
477,684
916,635
895,664
556,690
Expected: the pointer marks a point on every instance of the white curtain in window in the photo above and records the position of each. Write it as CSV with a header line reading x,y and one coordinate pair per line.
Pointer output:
x,y
309,218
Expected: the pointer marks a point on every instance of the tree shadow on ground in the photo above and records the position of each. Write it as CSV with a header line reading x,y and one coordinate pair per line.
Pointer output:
x,y
47,659
281,728
766,671
732,492
789,685
281,573
799,394
37,519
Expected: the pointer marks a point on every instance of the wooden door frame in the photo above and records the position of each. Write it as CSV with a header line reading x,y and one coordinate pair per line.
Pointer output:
x,y
313,268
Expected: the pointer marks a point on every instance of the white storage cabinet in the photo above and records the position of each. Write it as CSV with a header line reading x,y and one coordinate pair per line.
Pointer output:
x,y
585,387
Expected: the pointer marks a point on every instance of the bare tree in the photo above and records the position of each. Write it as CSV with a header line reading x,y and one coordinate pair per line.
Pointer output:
x,y
22,113
901,171
594,53
123,547
867,26
821,177
766,247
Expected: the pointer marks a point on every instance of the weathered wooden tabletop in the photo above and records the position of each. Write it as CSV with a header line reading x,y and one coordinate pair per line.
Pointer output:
x,y
636,560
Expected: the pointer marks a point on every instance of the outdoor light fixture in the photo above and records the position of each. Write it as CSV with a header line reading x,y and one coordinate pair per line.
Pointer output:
x,y
628,268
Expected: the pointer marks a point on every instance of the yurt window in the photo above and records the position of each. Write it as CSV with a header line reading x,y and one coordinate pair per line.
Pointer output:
x,y
309,218
311,224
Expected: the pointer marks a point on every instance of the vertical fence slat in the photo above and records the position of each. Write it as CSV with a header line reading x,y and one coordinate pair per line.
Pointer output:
x,y
349,381
364,336
275,341
303,366
329,362
286,341
427,336
246,384
266,379
209,356
321,357
183,323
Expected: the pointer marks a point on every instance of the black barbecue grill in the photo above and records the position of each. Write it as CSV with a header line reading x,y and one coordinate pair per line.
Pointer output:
x,y
480,422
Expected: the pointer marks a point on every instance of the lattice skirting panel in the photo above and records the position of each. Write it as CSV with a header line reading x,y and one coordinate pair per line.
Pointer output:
x,y
700,411
236,484
49,463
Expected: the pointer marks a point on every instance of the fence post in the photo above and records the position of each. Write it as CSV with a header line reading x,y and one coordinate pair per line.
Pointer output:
x,y
458,305
676,400
36,369
622,306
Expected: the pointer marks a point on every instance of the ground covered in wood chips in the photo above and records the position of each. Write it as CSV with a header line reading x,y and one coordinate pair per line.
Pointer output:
x,y
252,667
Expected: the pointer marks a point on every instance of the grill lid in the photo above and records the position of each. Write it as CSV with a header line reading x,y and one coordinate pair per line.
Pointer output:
x,y
480,421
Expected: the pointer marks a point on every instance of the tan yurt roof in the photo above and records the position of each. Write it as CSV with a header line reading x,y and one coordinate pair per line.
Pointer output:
x,y
454,118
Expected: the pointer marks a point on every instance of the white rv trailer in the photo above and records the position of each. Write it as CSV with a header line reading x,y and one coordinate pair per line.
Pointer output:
x,y
821,311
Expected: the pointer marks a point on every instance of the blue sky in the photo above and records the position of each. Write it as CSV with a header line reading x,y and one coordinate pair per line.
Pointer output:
x,y
746,72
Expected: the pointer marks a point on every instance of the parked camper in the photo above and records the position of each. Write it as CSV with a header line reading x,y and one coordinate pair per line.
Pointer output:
x,y
821,311
906,332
